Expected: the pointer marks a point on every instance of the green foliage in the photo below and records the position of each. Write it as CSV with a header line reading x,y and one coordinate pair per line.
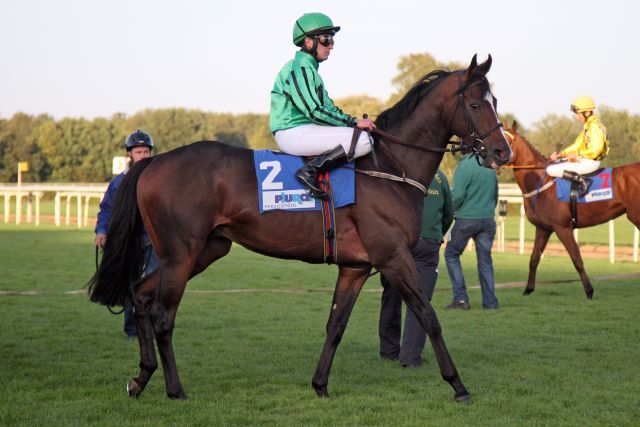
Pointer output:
x,y
414,66
361,104
81,150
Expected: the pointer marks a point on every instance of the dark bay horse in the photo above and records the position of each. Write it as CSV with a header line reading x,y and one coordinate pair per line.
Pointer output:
x,y
550,215
195,200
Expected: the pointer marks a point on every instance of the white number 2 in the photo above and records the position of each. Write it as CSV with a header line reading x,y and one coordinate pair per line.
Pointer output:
x,y
269,183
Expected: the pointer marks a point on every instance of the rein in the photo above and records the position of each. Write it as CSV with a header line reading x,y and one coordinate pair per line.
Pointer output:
x,y
390,137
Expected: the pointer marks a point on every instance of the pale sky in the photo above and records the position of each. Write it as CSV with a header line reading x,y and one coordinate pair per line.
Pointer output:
x,y
89,58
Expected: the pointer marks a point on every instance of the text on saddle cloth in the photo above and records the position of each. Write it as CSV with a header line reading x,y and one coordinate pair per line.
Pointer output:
x,y
601,188
278,188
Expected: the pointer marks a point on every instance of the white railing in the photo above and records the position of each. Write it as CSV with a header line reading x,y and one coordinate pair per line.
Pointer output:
x,y
61,193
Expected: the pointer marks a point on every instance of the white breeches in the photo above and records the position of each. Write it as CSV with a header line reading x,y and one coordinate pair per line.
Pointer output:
x,y
581,166
311,140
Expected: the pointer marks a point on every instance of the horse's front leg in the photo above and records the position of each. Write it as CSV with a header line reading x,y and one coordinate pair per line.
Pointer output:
x,y
348,286
566,237
142,301
401,273
542,238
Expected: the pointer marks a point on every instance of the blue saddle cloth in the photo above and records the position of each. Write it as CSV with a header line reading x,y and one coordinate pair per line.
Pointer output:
x,y
278,188
601,188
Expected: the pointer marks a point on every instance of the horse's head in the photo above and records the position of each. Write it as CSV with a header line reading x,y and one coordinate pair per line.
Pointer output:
x,y
523,153
473,115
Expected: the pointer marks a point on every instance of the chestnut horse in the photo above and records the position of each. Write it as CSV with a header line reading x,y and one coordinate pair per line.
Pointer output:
x,y
195,200
550,215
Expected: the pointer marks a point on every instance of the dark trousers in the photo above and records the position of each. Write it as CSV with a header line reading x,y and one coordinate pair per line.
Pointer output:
x,y
426,255
151,263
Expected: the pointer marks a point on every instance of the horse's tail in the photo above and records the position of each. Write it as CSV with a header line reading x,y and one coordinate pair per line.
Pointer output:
x,y
122,259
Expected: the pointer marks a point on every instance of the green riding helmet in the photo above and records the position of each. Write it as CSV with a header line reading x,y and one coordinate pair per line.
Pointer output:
x,y
311,24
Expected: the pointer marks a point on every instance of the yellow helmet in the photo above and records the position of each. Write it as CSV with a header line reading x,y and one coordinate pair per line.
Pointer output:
x,y
582,104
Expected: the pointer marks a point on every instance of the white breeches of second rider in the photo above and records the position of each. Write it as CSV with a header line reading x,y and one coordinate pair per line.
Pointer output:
x,y
311,140
581,166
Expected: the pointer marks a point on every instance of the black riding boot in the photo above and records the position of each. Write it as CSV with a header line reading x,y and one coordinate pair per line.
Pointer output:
x,y
321,163
583,182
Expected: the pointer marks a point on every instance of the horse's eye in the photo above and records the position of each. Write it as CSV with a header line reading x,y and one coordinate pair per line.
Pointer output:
x,y
475,106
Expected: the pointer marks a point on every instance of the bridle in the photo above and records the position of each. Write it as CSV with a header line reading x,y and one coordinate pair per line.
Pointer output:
x,y
510,140
478,146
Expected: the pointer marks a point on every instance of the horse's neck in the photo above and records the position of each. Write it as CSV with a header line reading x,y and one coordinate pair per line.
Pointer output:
x,y
529,179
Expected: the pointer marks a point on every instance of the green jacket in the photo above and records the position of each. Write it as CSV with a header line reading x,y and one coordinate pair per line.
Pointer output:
x,y
475,190
299,98
438,209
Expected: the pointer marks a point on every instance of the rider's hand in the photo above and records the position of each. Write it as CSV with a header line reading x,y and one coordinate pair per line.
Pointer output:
x,y
365,124
554,156
100,239
572,157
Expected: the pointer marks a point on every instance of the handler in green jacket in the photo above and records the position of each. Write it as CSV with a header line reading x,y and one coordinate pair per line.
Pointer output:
x,y
436,220
475,195
303,118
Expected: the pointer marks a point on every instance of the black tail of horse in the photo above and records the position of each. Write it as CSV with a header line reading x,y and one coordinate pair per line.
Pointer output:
x,y
122,260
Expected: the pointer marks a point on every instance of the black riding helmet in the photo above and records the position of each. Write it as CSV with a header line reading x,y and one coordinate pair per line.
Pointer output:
x,y
138,139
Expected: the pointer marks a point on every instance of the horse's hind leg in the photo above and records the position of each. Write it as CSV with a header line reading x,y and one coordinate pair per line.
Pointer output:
x,y
348,286
401,273
174,277
566,237
142,302
542,238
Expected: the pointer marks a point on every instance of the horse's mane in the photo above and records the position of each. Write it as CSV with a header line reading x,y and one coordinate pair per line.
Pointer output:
x,y
408,103
530,145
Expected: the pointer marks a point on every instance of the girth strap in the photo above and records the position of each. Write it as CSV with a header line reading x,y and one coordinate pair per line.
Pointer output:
x,y
330,250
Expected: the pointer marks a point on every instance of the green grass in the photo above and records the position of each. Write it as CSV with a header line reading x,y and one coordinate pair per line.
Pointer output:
x,y
552,358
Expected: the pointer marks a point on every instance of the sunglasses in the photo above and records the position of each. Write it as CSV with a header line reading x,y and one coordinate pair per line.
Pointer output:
x,y
325,40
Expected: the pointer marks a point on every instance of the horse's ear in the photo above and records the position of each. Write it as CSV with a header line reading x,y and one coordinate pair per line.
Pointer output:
x,y
514,126
485,66
472,67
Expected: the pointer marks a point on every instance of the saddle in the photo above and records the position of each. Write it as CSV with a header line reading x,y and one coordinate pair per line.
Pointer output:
x,y
599,188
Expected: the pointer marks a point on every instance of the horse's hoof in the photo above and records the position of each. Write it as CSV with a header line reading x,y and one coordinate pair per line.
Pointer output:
x,y
463,397
527,292
590,296
133,388
321,390
177,396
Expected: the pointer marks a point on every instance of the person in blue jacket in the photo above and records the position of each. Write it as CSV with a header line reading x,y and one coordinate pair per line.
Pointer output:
x,y
139,145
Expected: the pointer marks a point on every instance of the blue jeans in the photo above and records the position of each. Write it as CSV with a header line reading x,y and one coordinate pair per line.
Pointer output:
x,y
426,255
482,231
151,260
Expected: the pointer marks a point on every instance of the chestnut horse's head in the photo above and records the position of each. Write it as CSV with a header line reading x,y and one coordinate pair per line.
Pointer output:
x,y
523,153
474,117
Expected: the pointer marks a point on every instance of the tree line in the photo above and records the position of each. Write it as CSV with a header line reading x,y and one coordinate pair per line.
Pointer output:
x,y
81,150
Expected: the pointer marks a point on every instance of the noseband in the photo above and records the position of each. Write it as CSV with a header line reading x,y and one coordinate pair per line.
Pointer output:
x,y
478,146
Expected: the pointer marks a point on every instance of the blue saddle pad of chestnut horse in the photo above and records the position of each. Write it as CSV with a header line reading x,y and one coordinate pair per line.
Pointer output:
x,y
601,187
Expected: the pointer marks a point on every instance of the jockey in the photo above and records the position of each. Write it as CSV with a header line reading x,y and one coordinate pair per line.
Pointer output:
x,y
589,148
303,118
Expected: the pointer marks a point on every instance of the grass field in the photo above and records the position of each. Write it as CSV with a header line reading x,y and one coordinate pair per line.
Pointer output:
x,y
247,358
